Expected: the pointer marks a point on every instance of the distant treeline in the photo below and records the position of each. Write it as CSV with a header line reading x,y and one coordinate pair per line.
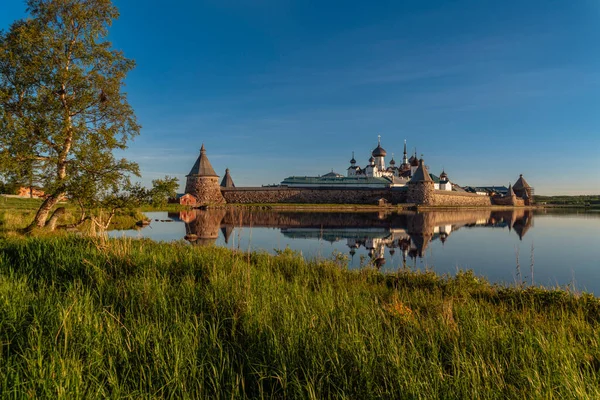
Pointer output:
x,y
583,200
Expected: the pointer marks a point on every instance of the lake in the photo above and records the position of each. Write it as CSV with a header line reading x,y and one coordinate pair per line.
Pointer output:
x,y
544,247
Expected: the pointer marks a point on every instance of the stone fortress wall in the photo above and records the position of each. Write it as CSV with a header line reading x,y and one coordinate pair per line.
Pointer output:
x,y
263,195
460,199
509,201
419,195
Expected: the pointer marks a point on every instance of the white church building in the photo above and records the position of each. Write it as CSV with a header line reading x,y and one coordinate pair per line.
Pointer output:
x,y
376,174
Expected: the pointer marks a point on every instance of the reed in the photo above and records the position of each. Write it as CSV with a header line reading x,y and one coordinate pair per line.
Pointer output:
x,y
94,318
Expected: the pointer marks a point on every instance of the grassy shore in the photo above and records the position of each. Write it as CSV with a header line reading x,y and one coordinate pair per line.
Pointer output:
x,y
16,213
96,318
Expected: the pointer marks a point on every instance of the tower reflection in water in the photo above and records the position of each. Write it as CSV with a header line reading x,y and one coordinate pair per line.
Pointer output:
x,y
407,232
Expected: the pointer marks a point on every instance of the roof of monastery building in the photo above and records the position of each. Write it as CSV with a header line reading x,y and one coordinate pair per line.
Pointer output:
x,y
521,183
421,174
379,151
510,191
227,182
336,181
202,166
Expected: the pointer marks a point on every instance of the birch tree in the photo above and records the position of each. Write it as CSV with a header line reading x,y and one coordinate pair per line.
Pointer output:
x,y
62,107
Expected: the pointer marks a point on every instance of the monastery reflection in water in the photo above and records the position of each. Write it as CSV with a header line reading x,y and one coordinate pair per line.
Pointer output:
x,y
407,232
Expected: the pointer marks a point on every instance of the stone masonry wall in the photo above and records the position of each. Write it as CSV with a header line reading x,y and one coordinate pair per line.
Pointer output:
x,y
508,201
453,199
311,196
418,193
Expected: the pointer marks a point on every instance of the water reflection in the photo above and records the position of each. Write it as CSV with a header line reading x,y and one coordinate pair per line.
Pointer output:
x,y
408,233
202,226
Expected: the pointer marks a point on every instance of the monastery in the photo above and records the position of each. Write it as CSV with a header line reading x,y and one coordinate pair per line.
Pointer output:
x,y
377,183
376,174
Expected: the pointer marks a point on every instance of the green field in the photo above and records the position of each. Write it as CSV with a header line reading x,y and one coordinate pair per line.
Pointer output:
x,y
17,213
96,318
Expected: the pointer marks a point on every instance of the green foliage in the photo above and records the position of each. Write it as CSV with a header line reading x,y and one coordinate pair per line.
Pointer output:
x,y
156,197
136,319
162,190
62,111
583,200
9,187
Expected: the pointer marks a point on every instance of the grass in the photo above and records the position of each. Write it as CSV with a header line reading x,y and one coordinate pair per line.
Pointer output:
x,y
129,319
165,207
16,214
19,203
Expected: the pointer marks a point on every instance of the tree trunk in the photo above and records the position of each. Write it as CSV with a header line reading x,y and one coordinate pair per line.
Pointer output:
x,y
42,214
51,224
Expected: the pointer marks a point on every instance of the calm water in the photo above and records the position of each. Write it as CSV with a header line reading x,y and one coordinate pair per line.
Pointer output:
x,y
560,248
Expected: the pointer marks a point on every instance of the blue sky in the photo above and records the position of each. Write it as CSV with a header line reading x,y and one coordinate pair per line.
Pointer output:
x,y
273,88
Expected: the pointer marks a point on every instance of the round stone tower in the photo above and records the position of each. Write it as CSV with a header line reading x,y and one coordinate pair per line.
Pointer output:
x,y
203,182
421,189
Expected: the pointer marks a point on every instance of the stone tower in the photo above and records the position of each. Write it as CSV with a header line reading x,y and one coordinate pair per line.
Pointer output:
x,y
203,182
523,190
421,186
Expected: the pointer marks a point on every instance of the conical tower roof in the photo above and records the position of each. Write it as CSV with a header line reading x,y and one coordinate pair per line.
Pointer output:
x,y
227,231
421,174
510,192
521,183
202,166
227,182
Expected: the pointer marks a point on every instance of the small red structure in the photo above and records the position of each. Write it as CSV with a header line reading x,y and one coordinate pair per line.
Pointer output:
x,y
188,200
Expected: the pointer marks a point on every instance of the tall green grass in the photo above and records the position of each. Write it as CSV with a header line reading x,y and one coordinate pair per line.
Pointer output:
x,y
82,318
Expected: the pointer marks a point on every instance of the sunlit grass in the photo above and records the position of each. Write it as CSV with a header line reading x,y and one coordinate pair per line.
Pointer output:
x,y
134,318
17,213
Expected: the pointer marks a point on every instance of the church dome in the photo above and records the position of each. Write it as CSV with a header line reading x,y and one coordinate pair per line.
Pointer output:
x,y
379,152
392,162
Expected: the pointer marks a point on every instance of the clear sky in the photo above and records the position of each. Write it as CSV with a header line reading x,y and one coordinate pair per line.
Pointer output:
x,y
273,88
